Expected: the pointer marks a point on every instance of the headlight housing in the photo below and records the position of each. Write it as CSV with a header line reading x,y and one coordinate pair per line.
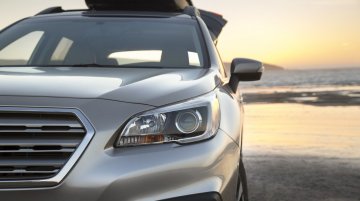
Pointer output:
x,y
190,121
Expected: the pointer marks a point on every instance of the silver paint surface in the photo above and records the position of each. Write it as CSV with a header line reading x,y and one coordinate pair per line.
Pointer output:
x,y
108,98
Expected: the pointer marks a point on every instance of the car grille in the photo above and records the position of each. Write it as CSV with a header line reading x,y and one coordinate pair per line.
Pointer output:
x,y
37,144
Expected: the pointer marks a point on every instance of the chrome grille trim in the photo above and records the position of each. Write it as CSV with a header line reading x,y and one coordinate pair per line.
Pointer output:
x,y
67,146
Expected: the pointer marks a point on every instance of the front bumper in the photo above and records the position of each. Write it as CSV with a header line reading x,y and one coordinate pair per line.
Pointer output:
x,y
159,172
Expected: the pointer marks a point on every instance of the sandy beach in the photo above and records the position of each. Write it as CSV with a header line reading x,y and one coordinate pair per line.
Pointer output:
x,y
303,145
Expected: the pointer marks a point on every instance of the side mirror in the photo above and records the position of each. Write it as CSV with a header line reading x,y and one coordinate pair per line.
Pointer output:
x,y
245,70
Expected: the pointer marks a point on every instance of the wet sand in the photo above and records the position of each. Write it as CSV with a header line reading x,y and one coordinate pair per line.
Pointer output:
x,y
300,151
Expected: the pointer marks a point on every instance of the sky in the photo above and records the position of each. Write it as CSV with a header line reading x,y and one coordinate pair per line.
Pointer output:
x,y
295,34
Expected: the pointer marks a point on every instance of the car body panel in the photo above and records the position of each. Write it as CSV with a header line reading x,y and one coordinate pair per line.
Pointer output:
x,y
153,86
103,170
231,109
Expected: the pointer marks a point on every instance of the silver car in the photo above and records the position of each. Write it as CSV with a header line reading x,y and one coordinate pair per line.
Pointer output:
x,y
104,105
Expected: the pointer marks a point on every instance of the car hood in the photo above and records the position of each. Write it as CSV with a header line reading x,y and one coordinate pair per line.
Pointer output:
x,y
154,87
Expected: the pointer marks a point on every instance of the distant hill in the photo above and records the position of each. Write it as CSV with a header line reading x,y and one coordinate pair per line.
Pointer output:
x,y
272,67
266,65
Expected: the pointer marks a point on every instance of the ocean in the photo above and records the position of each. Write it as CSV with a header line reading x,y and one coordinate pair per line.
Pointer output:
x,y
307,78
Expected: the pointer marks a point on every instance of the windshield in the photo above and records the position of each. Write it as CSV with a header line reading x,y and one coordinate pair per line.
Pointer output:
x,y
103,41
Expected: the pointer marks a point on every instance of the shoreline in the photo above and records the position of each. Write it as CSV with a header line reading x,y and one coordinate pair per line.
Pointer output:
x,y
319,96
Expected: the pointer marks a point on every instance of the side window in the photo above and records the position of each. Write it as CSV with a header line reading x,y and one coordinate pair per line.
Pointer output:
x,y
61,50
19,52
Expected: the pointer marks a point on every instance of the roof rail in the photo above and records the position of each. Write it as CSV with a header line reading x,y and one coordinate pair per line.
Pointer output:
x,y
192,11
51,10
189,10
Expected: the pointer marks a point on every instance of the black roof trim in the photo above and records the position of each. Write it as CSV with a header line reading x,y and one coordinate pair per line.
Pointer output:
x,y
58,9
51,10
92,13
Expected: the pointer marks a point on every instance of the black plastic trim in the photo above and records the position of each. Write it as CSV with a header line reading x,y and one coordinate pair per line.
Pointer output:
x,y
51,10
213,196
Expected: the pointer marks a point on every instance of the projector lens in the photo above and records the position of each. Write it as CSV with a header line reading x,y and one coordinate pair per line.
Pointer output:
x,y
188,121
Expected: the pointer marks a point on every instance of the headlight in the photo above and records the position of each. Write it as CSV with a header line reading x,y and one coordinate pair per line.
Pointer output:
x,y
191,121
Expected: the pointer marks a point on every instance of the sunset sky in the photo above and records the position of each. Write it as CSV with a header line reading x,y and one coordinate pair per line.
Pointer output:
x,y
289,33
